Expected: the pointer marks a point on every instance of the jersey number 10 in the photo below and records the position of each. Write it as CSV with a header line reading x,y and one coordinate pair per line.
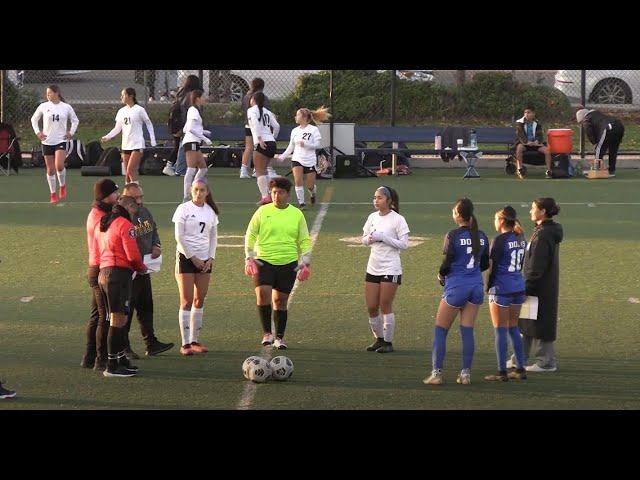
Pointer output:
x,y
516,260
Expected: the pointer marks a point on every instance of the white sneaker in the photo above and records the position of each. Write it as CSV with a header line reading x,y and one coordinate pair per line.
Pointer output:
x,y
168,170
272,173
436,378
253,174
537,368
244,173
465,377
267,339
511,364
280,344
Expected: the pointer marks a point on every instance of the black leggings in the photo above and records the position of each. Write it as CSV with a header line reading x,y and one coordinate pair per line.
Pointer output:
x,y
173,158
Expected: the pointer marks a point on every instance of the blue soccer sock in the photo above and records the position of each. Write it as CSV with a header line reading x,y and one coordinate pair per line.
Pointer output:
x,y
468,346
518,348
439,347
501,348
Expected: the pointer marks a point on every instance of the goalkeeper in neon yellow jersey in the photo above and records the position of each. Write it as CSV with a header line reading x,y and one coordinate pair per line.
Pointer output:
x,y
278,250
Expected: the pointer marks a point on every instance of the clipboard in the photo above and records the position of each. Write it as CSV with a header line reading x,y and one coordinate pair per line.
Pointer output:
x,y
153,264
530,308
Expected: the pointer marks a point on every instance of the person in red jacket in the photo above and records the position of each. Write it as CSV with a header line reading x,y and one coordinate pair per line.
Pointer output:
x,y
95,356
119,257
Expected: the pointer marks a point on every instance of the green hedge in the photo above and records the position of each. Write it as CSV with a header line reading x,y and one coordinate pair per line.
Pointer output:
x,y
364,96
19,103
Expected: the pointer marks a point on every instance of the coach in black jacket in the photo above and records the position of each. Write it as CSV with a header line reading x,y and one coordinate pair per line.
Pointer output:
x,y
604,132
542,279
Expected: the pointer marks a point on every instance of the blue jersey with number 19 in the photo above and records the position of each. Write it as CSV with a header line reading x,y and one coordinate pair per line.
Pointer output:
x,y
507,254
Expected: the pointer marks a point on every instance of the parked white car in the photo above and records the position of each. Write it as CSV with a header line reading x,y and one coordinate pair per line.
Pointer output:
x,y
602,86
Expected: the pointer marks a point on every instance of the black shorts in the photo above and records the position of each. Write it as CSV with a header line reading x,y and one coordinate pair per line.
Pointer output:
x,y
279,277
269,152
115,283
185,265
304,169
247,132
192,146
533,148
383,279
51,149
128,152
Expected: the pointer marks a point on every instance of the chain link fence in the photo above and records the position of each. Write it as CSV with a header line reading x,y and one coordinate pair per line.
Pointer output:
x,y
365,97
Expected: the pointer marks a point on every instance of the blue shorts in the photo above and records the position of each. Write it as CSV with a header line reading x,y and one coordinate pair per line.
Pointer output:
x,y
508,299
457,297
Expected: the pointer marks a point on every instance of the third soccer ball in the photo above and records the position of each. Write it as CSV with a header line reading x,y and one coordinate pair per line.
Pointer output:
x,y
247,363
282,368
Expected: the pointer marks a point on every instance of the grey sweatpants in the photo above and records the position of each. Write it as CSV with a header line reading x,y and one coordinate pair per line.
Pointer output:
x,y
545,352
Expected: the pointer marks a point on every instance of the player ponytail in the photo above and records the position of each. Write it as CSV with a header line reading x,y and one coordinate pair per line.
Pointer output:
x,y
464,207
317,116
258,97
509,216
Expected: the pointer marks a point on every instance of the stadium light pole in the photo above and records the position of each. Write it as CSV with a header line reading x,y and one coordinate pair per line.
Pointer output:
x,y
583,100
2,77
393,98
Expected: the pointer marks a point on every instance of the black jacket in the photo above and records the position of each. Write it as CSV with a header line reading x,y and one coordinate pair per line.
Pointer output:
x,y
597,122
542,279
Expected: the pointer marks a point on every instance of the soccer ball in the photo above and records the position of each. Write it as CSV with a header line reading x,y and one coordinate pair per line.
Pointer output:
x,y
282,368
247,363
259,371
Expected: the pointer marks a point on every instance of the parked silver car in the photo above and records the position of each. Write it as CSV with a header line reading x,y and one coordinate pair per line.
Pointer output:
x,y
602,86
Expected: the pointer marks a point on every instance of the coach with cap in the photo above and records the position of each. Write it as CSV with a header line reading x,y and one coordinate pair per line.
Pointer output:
x,y
604,132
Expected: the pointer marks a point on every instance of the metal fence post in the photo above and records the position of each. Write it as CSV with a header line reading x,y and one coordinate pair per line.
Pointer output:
x,y
583,100
393,98
333,163
3,75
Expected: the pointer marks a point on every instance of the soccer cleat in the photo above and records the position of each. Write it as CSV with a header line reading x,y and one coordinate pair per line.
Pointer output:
x,y
244,172
313,199
387,347
436,378
375,345
267,339
157,347
88,361
272,173
198,348
537,368
253,174
547,174
100,365
63,192
465,377
264,200
186,350
120,371
280,344
53,198
499,377
519,374
126,364
131,355
169,170
5,393
612,175
302,206
520,173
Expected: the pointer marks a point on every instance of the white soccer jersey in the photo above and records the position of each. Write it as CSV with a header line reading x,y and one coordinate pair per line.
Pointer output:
x,y
129,120
200,230
55,117
384,258
261,128
193,129
306,155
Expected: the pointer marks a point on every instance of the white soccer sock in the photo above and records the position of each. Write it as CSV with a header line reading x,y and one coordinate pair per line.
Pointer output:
x,y
376,326
183,319
263,185
314,190
62,177
51,180
300,194
202,172
196,323
188,180
389,326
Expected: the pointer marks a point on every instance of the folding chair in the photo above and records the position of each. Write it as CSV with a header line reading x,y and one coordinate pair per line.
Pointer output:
x,y
7,141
